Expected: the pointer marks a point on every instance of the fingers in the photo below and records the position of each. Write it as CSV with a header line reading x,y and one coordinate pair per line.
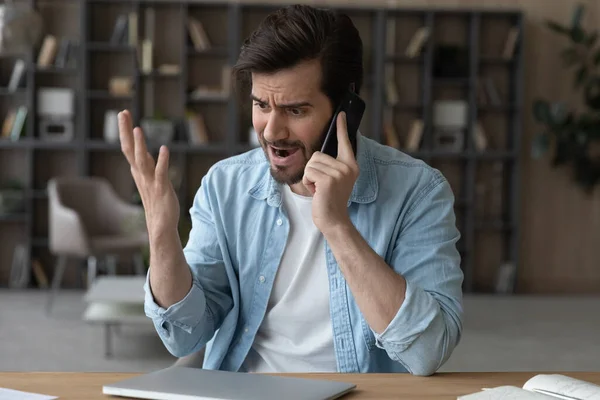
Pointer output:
x,y
143,160
345,153
126,136
313,177
331,171
343,168
162,165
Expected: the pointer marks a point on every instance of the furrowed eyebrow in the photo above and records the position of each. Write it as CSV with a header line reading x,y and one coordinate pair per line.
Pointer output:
x,y
253,97
289,105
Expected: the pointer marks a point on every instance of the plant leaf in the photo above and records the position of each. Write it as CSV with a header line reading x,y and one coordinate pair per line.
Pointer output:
x,y
540,145
558,28
561,154
591,39
578,35
558,113
597,58
541,112
569,56
577,16
581,76
592,93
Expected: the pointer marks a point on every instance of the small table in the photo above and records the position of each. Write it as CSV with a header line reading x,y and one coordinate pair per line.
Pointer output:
x,y
113,301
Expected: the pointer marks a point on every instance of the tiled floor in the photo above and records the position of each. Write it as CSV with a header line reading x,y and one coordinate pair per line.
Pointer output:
x,y
500,334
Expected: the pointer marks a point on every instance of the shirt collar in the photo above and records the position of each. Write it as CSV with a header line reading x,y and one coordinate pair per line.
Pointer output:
x,y
364,191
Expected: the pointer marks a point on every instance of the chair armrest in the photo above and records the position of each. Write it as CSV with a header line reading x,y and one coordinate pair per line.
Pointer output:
x,y
67,234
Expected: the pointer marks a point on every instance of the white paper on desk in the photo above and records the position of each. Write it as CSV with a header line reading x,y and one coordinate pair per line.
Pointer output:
x,y
9,394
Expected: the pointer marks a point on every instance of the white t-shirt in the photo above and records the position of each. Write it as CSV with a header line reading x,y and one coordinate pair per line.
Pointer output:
x,y
296,333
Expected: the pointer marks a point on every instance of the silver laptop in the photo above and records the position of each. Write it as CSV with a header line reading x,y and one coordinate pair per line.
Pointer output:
x,y
181,383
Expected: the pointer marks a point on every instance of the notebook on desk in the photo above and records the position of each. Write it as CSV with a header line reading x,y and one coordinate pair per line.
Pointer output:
x,y
542,387
181,383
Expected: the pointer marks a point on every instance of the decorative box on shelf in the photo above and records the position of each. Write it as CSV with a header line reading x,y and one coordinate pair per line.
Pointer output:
x,y
56,112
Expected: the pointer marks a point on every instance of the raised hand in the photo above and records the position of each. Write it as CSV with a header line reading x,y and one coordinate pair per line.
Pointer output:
x,y
152,180
331,181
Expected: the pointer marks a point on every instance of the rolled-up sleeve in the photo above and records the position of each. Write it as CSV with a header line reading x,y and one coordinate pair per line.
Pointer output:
x,y
189,324
428,325
185,314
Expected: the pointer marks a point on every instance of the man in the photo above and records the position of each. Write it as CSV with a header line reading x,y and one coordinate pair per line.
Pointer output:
x,y
297,261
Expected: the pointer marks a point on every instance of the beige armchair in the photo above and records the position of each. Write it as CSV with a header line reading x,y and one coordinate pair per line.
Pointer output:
x,y
88,220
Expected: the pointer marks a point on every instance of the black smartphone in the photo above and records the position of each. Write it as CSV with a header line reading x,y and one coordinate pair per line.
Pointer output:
x,y
354,107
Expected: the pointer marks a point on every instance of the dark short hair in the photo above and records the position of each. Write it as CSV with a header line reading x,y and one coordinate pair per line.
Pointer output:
x,y
299,33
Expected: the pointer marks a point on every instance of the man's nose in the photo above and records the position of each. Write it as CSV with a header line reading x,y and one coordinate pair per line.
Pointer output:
x,y
276,128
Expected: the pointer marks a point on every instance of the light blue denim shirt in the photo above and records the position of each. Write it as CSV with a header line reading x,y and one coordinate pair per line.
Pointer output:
x,y
402,207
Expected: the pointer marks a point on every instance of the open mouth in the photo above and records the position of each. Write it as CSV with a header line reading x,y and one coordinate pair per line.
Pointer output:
x,y
284,153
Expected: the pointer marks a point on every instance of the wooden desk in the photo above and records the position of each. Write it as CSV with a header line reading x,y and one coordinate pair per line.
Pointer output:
x,y
79,386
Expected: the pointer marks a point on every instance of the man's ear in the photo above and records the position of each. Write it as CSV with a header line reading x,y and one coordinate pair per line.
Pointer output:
x,y
352,87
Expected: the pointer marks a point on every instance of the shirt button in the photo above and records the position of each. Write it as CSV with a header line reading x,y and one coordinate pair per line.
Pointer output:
x,y
262,279
246,330
279,222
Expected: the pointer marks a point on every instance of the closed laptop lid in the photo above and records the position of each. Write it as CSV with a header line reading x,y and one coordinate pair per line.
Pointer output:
x,y
182,383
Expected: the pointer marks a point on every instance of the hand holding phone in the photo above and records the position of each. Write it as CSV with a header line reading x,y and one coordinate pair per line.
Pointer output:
x,y
354,107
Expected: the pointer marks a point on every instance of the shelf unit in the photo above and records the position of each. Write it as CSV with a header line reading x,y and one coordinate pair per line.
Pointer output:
x,y
488,238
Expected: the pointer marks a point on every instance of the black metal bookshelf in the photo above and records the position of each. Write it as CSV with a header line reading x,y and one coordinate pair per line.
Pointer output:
x,y
227,23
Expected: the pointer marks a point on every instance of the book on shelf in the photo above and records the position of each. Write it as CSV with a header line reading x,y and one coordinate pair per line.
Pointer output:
x,y
47,51
479,137
389,131
120,86
14,122
62,55
19,123
169,69
16,77
132,32
391,92
492,92
415,134
391,89
481,95
222,90
72,58
226,80
197,131
147,56
198,35
417,42
203,91
541,387
8,123
511,43
120,31
487,92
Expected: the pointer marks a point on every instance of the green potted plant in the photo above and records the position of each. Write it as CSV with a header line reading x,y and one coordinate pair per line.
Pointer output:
x,y
158,129
574,135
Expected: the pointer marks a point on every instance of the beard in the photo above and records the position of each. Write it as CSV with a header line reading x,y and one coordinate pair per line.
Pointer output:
x,y
290,175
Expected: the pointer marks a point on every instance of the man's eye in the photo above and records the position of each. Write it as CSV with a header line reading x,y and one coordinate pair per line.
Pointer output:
x,y
262,106
295,111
